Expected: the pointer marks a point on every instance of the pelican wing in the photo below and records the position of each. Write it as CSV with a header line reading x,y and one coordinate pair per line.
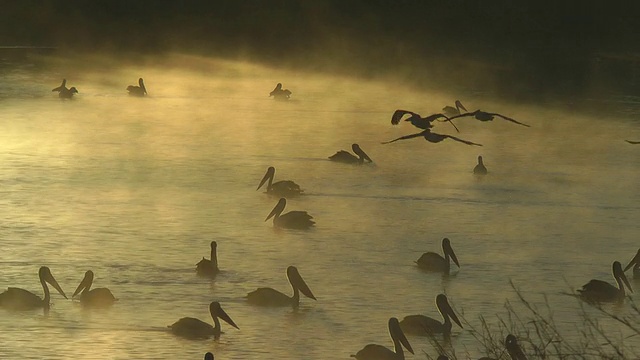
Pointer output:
x,y
632,142
509,119
99,297
421,325
295,220
286,187
431,261
462,140
268,297
206,268
344,156
20,299
192,328
398,114
405,137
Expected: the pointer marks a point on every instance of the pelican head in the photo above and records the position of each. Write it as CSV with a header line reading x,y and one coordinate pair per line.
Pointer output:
x,y
85,283
448,250
442,303
208,356
271,172
635,263
460,106
513,348
278,209
620,277
397,335
217,312
45,275
361,154
298,283
276,90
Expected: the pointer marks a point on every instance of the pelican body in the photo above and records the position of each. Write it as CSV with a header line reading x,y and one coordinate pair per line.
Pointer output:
x,y
424,325
486,116
635,262
432,138
272,297
99,297
21,299
139,90
602,291
209,268
279,94
283,188
379,352
192,328
480,169
290,220
453,111
433,262
348,158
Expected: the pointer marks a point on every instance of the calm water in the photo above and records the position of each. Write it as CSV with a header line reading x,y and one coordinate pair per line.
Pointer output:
x,y
135,189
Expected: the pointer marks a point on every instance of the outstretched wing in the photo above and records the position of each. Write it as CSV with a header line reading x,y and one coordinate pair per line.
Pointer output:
x,y
632,142
398,114
462,141
509,119
406,137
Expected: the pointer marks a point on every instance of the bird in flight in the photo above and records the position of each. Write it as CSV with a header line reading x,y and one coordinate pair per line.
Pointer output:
x,y
417,120
432,137
485,116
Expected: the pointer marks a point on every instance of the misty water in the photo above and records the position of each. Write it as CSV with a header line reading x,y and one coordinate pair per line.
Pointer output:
x,y
136,188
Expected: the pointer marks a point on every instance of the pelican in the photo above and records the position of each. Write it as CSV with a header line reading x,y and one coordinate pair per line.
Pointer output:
x,y
283,188
192,328
348,158
272,297
67,93
424,325
280,94
514,350
21,299
635,262
485,116
208,356
602,291
480,169
432,137
633,142
62,86
209,268
99,297
290,220
417,120
433,262
139,90
453,111
379,352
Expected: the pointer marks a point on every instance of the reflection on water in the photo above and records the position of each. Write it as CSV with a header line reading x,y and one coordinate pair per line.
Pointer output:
x,y
135,189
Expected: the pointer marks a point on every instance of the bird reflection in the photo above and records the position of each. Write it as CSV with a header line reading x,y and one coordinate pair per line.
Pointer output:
x,y
602,291
192,328
139,90
279,94
272,297
485,116
480,169
432,137
425,326
348,158
282,188
291,219
635,263
209,268
21,299
379,352
434,262
98,297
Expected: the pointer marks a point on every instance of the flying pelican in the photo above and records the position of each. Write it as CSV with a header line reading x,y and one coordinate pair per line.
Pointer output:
x,y
635,262
192,328
424,325
272,297
633,142
417,120
208,356
453,111
379,352
432,137
62,86
283,188
21,299
348,158
433,262
485,116
280,94
514,350
290,220
139,90
209,268
99,297
602,291
480,169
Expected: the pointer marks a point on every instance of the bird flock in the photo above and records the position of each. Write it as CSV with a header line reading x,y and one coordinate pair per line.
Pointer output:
x,y
595,291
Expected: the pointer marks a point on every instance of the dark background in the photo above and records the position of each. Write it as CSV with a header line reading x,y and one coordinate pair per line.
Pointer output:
x,y
539,47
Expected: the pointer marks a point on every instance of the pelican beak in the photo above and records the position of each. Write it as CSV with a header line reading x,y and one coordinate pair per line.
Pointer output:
x,y
83,284
216,310
460,106
52,281
141,83
396,333
633,261
277,210
268,175
296,280
446,247
445,308
356,149
619,273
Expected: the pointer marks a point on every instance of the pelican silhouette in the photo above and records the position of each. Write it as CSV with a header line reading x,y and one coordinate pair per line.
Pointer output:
x,y
417,120
379,352
424,325
283,188
513,348
453,111
209,267
99,297
480,169
348,158
602,291
279,94
192,328
21,299
433,262
432,137
62,86
139,90
67,93
208,356
291,219
485,116
633,142
635,262
272,297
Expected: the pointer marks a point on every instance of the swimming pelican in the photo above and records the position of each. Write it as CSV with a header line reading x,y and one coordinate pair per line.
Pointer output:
x,y
514,350
21,299
485,116
280,94
283,188
62,86
208,356
290,220
272,297
192,328
99,297
139,90
209,268
635,262
67,93
417,120
602,291
432,137
379,352
348,158
433,262
480,169
453,111
424,325
633,142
